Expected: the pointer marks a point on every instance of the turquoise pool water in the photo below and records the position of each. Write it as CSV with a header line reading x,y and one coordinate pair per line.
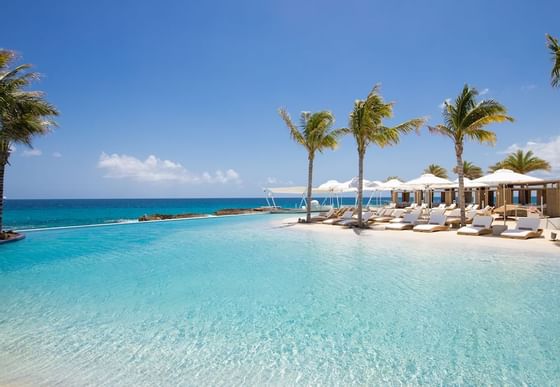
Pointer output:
x,y
240,301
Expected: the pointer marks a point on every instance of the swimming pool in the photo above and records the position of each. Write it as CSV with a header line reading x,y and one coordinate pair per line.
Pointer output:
x,y
239,300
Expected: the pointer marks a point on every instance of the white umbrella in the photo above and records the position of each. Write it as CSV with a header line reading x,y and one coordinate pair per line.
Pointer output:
x,y
390,185
468,184
426,182
332,185
503,177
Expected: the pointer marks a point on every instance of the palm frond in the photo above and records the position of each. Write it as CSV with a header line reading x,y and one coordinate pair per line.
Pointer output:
x,y
294,132
554,47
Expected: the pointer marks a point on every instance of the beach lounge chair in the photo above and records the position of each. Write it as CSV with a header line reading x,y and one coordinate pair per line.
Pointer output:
x,y
524,229
481,225
354,222
435,223
452,206
412,206
392,215
345,216
324,216
407,222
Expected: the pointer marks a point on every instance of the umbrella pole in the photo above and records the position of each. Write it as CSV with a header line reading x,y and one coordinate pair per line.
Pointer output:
x,y
505,204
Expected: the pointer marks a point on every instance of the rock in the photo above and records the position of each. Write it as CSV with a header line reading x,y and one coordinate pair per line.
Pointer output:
x,y
146,218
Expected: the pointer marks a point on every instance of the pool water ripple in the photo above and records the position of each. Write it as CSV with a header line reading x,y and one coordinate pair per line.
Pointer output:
x,y
240,302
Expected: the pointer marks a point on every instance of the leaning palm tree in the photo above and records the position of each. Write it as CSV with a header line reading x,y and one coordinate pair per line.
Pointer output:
x,y
470,170
315,133
524,162
554,48
23,113
366,126
436,170
466,119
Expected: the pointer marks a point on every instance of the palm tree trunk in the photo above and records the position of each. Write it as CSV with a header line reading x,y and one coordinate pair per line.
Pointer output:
x,y
309,186
3,160
460,173
360,186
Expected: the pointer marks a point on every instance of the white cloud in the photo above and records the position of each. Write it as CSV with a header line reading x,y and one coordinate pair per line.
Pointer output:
x,y
57,154
442,105
275,181
154,169
32,152
547,150
12,148
484,91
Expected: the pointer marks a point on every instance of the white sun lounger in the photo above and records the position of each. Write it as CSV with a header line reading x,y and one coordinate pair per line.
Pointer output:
x,y
353,222
481,225
394,214
524,229
325,216
407,222
435,223
347,215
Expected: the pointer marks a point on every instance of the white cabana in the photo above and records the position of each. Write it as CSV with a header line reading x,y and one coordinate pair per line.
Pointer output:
x,y
467,182
503,177
506,176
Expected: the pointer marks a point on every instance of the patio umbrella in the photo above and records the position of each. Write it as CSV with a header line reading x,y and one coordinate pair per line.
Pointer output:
x,y
502,177
426,181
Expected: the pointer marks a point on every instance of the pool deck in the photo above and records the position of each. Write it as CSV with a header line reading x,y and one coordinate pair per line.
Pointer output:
x,y
444,239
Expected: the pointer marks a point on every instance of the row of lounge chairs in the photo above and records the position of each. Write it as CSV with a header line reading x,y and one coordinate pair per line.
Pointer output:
x,y
438,220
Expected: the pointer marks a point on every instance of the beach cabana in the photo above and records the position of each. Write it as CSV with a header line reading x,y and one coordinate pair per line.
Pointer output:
x,y
502,178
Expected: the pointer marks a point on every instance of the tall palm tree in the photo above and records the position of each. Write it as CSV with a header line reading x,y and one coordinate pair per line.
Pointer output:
x,y
554,48
366,126
494,167
466,119
315,133
23,113
470,170
524,162
436,170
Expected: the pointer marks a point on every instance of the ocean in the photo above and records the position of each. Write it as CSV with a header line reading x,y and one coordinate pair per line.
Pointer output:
x,y
29,214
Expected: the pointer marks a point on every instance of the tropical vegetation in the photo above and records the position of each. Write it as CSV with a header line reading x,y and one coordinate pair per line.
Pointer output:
x,y
470,170
315,134
366,126
392,177
554,47
436,170
466,119
522,162
23,113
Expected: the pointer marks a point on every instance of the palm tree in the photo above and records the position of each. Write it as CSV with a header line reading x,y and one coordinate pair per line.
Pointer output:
x,y
392,177
466,119
470,170
436,170
494,167
554,48
315,134
366,126
23,114
524,162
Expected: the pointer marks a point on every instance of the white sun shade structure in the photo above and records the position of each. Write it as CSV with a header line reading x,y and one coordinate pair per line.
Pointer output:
x,y
468,184
426,181
506,176
332,186
390,185
503,177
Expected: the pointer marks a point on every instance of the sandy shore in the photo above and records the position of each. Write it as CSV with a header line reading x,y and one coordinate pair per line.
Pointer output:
x,y
448,239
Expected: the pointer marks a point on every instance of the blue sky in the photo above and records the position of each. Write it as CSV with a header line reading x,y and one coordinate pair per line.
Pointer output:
x,y
179,99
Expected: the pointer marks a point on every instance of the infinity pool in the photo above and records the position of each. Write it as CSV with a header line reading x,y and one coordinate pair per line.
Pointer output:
x,y
241,301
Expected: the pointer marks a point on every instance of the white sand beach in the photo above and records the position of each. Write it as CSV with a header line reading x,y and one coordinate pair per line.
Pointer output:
x,y
444,239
